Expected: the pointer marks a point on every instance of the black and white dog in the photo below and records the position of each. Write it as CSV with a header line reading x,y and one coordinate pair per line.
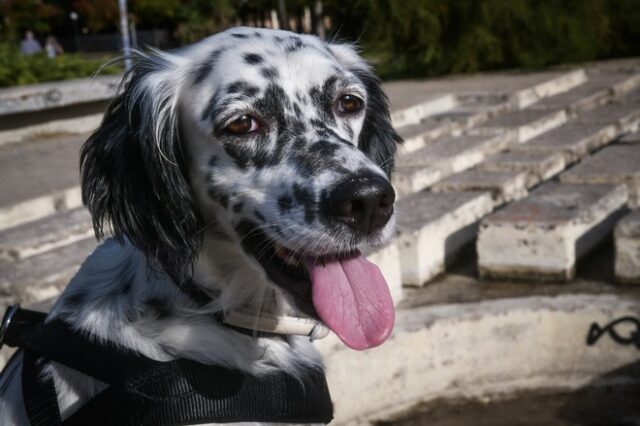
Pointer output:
x,y
254,164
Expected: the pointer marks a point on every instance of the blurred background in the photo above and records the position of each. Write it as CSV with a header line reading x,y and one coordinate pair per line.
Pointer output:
x,y
413,38
515,270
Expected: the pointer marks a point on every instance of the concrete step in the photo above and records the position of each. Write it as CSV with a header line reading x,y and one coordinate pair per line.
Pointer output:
x,y
625,116
433,229
527,124
467,112
614,164
44,235
541,236
627,242
413,101
42,276
504,186
545,89
419,135
408,111
575,140
539,166
599,89
39,178
445,157
631,137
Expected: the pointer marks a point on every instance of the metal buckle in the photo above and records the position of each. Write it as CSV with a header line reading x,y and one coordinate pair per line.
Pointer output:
x,y
6,321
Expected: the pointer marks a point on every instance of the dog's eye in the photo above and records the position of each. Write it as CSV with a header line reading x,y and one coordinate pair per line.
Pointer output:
x,y
242,125
349,104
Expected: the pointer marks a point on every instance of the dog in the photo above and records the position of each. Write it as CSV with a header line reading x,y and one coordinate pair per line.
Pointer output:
x,y
256,165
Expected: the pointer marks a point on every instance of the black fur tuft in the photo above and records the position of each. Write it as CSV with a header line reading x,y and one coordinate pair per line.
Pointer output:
x,y
378,139
133,170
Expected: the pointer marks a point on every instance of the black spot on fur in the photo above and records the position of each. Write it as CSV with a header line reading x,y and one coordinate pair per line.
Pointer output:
x,y
321,156
378,139
239,153
348,130
322,99
294,43
257,35
242,88
253,59
259,216
318,124
213,160
304,197
237,207
158,307
285,203
224,200
219,102
299,143
237,35
76,299
273,105
269,73
297,127
297,109
203,70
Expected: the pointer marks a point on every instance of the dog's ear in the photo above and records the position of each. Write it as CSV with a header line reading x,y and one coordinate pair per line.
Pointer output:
x,y
378,139
133,170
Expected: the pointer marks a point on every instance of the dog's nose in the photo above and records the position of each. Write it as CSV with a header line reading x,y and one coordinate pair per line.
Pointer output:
x,y
364,203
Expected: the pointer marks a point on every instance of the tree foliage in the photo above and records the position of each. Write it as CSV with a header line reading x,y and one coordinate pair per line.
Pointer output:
x,y
20,15
408,38
431,37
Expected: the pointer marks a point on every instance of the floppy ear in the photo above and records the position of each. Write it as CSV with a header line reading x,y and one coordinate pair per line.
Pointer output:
x,y
378,139
133,170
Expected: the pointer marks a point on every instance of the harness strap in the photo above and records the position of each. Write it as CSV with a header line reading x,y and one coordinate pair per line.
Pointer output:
x,y
39,393
143,391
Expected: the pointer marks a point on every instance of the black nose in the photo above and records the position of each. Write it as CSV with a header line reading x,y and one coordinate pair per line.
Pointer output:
x,y
364,203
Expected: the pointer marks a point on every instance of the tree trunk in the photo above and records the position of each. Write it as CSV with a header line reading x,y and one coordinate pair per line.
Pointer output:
x,y
282,15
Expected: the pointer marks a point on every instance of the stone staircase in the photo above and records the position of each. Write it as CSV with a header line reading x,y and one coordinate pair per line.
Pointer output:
x,y
470,149
461,183
502,179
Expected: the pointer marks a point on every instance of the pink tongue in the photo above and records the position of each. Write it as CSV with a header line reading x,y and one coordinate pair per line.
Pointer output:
x,y
352,298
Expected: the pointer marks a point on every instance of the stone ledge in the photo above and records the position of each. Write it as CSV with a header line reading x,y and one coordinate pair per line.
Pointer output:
x,y
542,236
45,235
614,164
40,207
450,350
627,242
504,186
433,228
84,124
38,97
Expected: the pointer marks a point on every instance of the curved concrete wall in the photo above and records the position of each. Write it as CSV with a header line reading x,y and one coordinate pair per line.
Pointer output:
x,y
477,349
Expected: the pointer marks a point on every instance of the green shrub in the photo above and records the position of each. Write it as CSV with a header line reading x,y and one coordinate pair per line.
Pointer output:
x,y
17,69
420,38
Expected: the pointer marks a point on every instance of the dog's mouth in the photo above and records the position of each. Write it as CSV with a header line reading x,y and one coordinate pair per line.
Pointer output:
x,y
345,291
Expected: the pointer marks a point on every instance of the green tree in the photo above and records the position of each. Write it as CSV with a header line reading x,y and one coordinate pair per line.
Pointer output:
x,y
20,15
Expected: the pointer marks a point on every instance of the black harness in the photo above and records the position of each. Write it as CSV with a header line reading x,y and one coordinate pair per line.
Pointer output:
x,y
142,391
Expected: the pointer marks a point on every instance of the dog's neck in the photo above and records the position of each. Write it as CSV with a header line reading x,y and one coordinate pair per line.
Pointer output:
x,y
116,296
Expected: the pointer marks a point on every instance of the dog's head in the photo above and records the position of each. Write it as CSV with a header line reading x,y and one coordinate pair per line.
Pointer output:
x,y
282,140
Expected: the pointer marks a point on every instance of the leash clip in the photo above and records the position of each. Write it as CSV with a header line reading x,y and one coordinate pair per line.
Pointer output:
x,y
6,321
